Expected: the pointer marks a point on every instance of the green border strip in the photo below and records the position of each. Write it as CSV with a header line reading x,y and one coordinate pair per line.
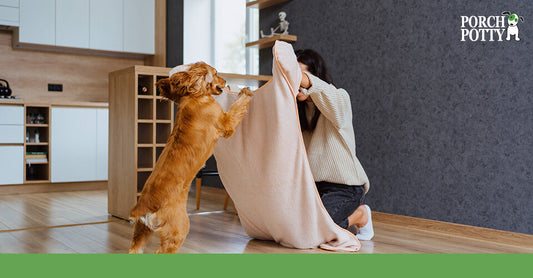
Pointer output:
x,y
266,265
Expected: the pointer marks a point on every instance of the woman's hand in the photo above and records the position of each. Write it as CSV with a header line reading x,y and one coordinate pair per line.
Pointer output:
x,y
306,83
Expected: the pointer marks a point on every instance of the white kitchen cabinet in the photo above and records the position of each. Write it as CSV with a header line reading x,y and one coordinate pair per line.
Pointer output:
x,y
9,12
139,26
78,142
106,23
11,124
9,16
72,23
10,3
11,164
37,22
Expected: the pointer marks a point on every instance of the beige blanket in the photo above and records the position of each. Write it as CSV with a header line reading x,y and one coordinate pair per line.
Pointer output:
x,y
265,170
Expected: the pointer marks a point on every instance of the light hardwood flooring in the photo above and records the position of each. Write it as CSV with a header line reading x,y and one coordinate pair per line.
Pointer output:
x,y
77,222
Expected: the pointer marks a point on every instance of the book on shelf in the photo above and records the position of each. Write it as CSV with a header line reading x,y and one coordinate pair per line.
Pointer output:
x,y
36,155
36,160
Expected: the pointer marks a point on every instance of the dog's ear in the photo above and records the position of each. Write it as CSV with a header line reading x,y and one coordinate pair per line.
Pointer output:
x,y
178,85
167,89
521,18
201,79
506,13
163,86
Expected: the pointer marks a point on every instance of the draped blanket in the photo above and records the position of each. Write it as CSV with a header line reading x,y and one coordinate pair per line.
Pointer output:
x,y
264,167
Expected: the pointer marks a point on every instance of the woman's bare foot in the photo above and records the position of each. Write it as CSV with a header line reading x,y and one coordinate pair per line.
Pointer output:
x,y
359,217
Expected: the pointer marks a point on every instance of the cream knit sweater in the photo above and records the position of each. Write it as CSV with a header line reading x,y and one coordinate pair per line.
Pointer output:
x,y
331,146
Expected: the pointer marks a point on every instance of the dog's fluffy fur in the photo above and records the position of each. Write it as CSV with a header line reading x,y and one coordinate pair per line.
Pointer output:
x,y
200,122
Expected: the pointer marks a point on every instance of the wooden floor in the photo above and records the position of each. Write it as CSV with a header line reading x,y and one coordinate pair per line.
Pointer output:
x,y
77,222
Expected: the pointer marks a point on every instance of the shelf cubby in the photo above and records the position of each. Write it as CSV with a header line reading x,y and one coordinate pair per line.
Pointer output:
x,y
158,151
162,132
37,172
145,85
145,157
163,110
142,177
145,133
157,93
31,134
145,109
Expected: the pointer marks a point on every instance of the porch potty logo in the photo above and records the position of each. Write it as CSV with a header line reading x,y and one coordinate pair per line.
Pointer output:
x,y
490,28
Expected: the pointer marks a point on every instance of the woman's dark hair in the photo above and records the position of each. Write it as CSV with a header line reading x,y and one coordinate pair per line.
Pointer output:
x,y
317,67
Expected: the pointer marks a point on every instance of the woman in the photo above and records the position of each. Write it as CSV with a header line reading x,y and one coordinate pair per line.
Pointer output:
x,y
326,122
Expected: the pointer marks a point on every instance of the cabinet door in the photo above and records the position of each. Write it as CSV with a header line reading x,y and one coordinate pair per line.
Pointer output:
x,y
139,26
37,21
73,144
72,23
11,124
106,25
102,135
9,16
11,164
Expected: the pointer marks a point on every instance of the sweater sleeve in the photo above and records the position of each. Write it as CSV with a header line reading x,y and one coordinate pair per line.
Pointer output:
x,y
333,103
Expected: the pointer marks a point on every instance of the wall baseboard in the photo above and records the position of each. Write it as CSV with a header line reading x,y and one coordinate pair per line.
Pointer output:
x,y
447,228
52,187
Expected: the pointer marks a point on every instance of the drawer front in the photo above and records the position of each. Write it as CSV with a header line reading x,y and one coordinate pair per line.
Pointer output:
x,y
11,115
11,164
9,14
12,134
10,3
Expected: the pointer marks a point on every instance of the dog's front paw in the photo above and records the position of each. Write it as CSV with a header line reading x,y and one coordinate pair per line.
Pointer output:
x,y
246,91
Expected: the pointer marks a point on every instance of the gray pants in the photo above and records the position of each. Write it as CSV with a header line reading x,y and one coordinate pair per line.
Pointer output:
x,y
340,200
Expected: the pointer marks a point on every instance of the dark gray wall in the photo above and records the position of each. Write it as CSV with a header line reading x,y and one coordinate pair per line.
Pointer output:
x,y
174,40
444,128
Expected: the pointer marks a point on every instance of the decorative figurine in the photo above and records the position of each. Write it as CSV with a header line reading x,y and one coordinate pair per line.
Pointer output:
x,y
283,26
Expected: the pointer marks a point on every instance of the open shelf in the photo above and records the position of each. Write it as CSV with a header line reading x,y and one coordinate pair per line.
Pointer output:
x,y
269,42
31,135
261,4
37,172
37,144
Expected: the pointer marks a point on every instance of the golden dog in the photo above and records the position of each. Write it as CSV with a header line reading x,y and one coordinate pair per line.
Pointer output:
x,y
200,122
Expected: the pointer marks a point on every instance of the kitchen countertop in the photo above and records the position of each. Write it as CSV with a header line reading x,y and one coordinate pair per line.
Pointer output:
x,y
52,103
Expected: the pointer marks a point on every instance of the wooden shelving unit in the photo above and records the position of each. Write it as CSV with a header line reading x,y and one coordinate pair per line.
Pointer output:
x,y
140,124
268,42
261,4
37,125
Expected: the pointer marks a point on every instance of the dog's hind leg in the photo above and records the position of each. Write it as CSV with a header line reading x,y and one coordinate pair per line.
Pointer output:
x,y
141,234
174,232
